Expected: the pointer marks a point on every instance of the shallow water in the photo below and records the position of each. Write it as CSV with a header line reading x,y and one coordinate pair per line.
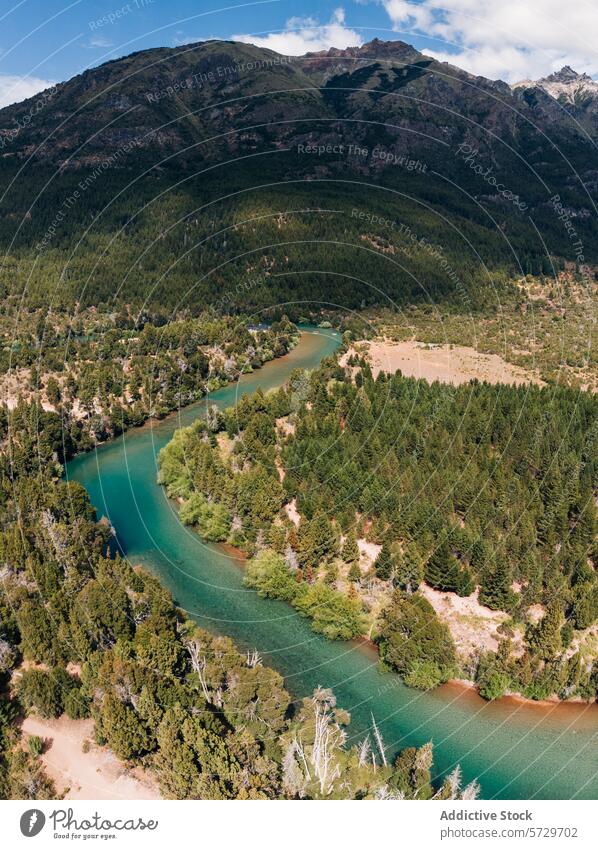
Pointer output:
x,y
517,750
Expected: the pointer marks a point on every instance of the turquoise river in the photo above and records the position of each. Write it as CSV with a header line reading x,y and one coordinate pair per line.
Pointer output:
x,y
517,750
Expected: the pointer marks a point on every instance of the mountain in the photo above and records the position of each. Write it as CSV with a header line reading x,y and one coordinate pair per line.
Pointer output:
x,y
568,87
146,171
169,98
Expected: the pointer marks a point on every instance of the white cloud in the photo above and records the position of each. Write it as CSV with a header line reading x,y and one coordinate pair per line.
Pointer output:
x,y
511,39
98,41
303,35
13,88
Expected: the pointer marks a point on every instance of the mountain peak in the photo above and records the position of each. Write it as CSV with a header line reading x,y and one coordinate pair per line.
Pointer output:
x,y
566,86
566,75
376,48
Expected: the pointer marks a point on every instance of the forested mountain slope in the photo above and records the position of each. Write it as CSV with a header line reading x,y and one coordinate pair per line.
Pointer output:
x,y
172,173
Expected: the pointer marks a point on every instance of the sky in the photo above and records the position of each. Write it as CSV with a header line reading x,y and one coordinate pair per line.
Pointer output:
x,y
47,41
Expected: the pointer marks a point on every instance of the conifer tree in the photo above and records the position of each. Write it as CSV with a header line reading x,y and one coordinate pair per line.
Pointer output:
x,y
317,541
441,568
354,572
350,550
384,564
409,569
331,574
496,592
545,638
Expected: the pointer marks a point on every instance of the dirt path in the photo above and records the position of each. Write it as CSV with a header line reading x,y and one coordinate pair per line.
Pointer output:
x,y
96,774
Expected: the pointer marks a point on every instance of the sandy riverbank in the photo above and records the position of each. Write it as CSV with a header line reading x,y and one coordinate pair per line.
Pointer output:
x,y
93,774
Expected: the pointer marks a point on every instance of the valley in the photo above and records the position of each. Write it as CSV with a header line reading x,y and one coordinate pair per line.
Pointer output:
x,y
298,417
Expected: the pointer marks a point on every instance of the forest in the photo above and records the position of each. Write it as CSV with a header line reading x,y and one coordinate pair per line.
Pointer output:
x,y
154,248
190,246
99,374
478,487
84,633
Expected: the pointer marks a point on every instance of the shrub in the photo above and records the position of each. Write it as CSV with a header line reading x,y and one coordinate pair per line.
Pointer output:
x,y
333,614
35,745
268,574
493,684
424,675
415,643
40,690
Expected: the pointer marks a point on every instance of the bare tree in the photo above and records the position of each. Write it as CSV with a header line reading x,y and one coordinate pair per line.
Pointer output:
x,y
384,793
363,751
199,663
254,659
328,737
295,771
291,560
379,741
472,791
451,786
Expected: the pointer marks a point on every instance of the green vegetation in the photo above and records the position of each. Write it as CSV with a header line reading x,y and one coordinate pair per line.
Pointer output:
x,y
415,643
331,612
128,205
51,693
471,486
131,264
105,373
208,721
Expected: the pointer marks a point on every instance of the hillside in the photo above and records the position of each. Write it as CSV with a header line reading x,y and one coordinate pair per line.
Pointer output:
x,y
170,174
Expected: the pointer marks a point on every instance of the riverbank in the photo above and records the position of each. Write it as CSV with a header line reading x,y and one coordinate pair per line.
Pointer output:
x,y
516,753
464,605
152,420
350,596
472,625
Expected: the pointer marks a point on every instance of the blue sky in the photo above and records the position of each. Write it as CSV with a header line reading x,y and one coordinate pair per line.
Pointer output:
x,y
43,41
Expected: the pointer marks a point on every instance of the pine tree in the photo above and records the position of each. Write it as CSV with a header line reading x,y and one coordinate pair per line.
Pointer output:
x,y
354,572
442,568
409,569
496,592
384,564
545,639
317,541
331,574
465,583
350,552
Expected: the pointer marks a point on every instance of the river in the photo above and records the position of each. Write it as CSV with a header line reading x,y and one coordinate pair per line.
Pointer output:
x,y
516,749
